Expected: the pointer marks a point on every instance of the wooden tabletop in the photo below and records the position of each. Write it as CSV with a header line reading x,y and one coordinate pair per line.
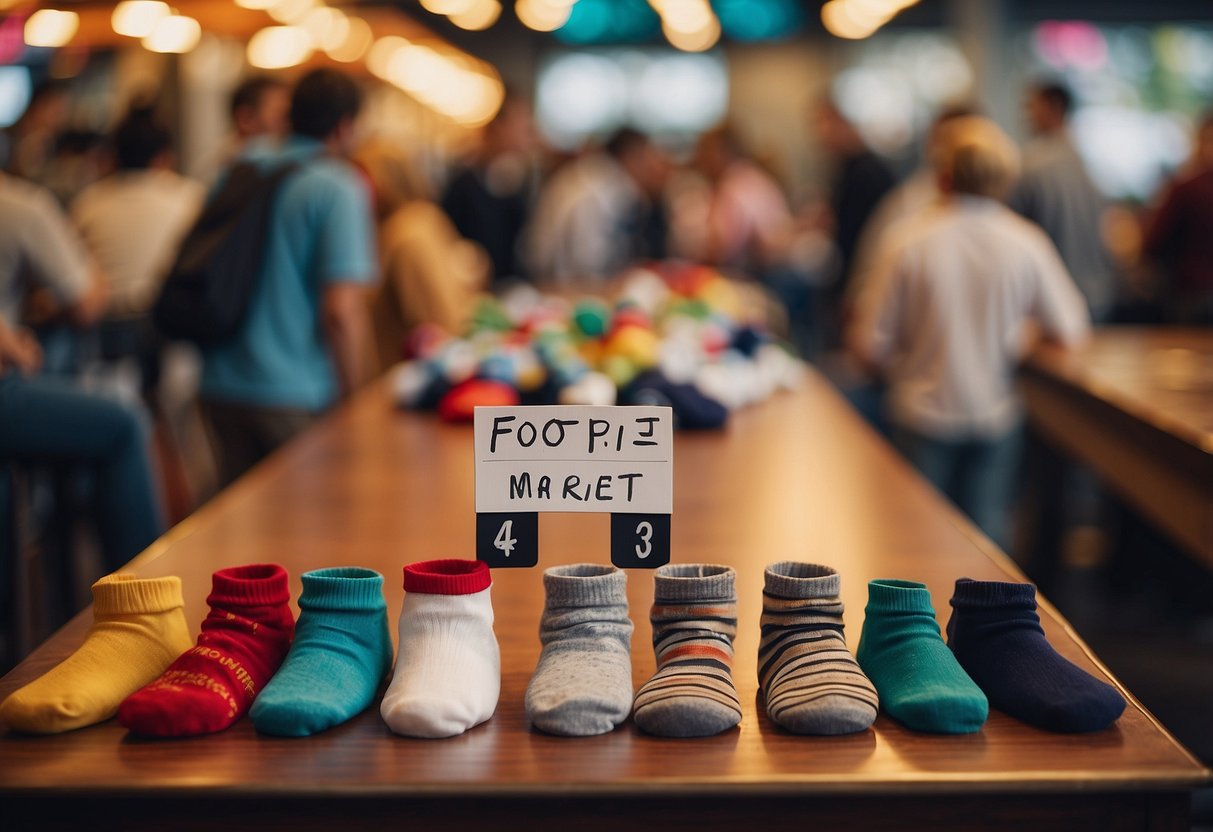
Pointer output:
x,y
1137,406
799,477
1161,375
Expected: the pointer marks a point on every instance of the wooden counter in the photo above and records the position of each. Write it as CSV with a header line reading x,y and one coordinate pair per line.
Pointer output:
x,y
1136,405
800,477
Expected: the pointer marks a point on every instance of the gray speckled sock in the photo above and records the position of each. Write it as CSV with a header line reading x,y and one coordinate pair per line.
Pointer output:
x,y
583,684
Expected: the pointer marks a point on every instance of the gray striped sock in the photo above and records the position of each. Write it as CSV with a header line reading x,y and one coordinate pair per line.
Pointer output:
x,y
694,622
810,681
583,683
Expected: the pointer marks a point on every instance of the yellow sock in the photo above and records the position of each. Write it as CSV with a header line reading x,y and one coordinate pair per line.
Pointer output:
x,y
138,629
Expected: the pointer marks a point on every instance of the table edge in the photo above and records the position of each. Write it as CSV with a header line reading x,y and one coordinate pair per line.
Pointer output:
x,y
789,785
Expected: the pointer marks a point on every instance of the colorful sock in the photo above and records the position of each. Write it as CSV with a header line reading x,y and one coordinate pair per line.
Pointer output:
x,y
243,641
342,651
138,629
920,683
583,683
810,681
996,635
448,673
694,622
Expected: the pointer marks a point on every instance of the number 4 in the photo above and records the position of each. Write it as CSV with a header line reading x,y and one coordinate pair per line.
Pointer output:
x,y
503,541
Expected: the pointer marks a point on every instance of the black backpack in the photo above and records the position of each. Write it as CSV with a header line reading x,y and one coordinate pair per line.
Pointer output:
x,y
207,293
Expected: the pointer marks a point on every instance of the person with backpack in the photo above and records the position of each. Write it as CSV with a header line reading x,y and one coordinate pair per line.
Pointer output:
x,y
132,222
300,345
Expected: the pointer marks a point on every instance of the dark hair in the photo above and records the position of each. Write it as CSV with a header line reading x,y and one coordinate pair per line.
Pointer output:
x,y
250,91
139,138
321,100
625,140
1056,94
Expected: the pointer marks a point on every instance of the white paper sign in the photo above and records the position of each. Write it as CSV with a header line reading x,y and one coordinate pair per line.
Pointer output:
x,y
575,458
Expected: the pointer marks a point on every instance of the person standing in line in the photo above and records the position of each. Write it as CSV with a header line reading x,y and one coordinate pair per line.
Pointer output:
x,y
1179,236
258,109
303,344
947,314
431,274
1056,192
489,198
860,179
46,419
749,228
908,199
132,222
601,212
32,141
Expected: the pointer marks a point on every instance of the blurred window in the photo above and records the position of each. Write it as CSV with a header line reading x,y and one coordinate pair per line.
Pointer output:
x,y
1137,92
896,85
14,93
671,95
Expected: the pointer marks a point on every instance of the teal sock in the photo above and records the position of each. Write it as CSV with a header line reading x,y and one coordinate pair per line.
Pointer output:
x,y
341,653
920,683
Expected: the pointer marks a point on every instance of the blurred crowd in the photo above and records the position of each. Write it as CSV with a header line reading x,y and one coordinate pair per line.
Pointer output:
x,y
928,285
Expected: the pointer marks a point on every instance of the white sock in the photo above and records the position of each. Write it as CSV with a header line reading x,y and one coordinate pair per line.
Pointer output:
x,y
448,671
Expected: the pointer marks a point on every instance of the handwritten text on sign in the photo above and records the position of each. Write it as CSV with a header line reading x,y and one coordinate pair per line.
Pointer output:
x,y
579,458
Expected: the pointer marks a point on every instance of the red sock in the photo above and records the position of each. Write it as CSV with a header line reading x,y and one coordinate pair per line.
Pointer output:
x,y
212,685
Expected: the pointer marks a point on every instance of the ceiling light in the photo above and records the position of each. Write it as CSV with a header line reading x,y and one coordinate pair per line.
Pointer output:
x,y
277,47
138,18
479,17
174,34
358,39
51,27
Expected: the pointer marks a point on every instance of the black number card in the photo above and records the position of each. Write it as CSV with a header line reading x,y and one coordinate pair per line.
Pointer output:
x,y
640,541
508,540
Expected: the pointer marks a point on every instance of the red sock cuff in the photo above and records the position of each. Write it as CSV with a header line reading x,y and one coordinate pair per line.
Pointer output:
x,y
256,584
447,577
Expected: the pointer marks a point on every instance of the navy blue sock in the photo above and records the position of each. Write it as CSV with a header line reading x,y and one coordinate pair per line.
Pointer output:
x,y
692,409
996,636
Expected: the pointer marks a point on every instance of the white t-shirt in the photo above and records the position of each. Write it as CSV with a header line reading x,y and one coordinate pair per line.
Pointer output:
x,y
37,245
133,222
946,309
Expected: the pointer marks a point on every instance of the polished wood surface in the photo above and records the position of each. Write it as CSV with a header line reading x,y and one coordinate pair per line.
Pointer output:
x,y
799,477
1137,406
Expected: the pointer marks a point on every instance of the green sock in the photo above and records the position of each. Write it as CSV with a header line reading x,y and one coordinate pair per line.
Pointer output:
x,y
341,653
919,680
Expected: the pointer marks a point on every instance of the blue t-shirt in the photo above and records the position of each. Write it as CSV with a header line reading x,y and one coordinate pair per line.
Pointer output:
x,y
321,232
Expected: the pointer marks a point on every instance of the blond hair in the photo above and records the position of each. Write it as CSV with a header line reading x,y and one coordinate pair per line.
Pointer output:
x,y
974,156
393,176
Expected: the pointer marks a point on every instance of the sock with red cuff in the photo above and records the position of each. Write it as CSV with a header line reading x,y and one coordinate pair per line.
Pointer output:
x,y
213,684
448,671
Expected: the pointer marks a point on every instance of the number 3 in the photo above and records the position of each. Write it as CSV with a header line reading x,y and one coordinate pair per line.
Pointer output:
x,y
645,530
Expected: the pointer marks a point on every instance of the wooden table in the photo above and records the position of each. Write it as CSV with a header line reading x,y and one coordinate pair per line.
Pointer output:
x,y
800,477
1136,405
